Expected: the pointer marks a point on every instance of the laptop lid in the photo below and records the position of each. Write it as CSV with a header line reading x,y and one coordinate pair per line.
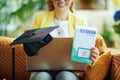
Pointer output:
x,y
55,56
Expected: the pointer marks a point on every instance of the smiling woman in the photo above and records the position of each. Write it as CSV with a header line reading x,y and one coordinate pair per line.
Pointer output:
x,y
52,7
60,12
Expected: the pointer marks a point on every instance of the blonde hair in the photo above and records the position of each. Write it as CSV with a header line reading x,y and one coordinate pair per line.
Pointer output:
x,y
51,6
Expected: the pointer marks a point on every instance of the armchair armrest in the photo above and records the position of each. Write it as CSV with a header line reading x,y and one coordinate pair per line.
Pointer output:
x,y
6,60
115,64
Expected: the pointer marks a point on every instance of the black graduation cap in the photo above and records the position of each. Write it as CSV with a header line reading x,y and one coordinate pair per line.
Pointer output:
x,y
34,39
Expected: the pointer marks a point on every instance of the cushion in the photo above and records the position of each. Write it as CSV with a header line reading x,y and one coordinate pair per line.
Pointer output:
x,y
100,68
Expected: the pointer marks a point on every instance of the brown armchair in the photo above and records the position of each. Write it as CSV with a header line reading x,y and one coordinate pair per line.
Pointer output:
x,y
115,64
6,60
20,61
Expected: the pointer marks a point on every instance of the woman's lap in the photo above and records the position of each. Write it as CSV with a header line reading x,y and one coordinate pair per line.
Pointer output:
x,y
63,75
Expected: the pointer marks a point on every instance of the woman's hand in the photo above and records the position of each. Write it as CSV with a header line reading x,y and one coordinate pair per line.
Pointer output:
x,y
94,54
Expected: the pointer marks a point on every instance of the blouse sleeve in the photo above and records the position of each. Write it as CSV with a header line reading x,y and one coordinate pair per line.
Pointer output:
x,y
35,22
100,44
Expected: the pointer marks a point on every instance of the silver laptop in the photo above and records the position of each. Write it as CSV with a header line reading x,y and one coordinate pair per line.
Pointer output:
x,y
55,56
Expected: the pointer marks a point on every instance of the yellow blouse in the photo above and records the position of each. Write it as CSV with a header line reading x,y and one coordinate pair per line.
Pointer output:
x,y
45,18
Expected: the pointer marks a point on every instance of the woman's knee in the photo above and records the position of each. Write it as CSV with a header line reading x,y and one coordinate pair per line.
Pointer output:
x,y
41,76
66,75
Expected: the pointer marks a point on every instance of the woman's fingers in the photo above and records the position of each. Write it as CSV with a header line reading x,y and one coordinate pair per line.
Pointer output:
x,y
94,54
26,30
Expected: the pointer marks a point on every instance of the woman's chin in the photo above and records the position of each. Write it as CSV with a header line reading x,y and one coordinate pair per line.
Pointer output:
x,y
61,9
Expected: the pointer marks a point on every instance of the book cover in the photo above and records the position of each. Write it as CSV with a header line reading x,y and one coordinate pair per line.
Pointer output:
x,y
83,42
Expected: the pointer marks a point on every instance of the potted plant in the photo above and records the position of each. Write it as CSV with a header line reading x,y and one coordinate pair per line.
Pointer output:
x,y
116,28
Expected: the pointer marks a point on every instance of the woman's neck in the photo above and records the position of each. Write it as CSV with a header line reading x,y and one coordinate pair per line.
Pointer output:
x,y
61,15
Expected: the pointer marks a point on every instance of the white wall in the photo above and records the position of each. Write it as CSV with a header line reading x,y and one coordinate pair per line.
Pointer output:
x,y
96,18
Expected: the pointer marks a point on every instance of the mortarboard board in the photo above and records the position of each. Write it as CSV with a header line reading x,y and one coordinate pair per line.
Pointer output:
x,y
34,39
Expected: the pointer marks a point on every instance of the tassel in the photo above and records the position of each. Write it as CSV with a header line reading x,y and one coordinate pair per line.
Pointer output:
x,y
13,63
